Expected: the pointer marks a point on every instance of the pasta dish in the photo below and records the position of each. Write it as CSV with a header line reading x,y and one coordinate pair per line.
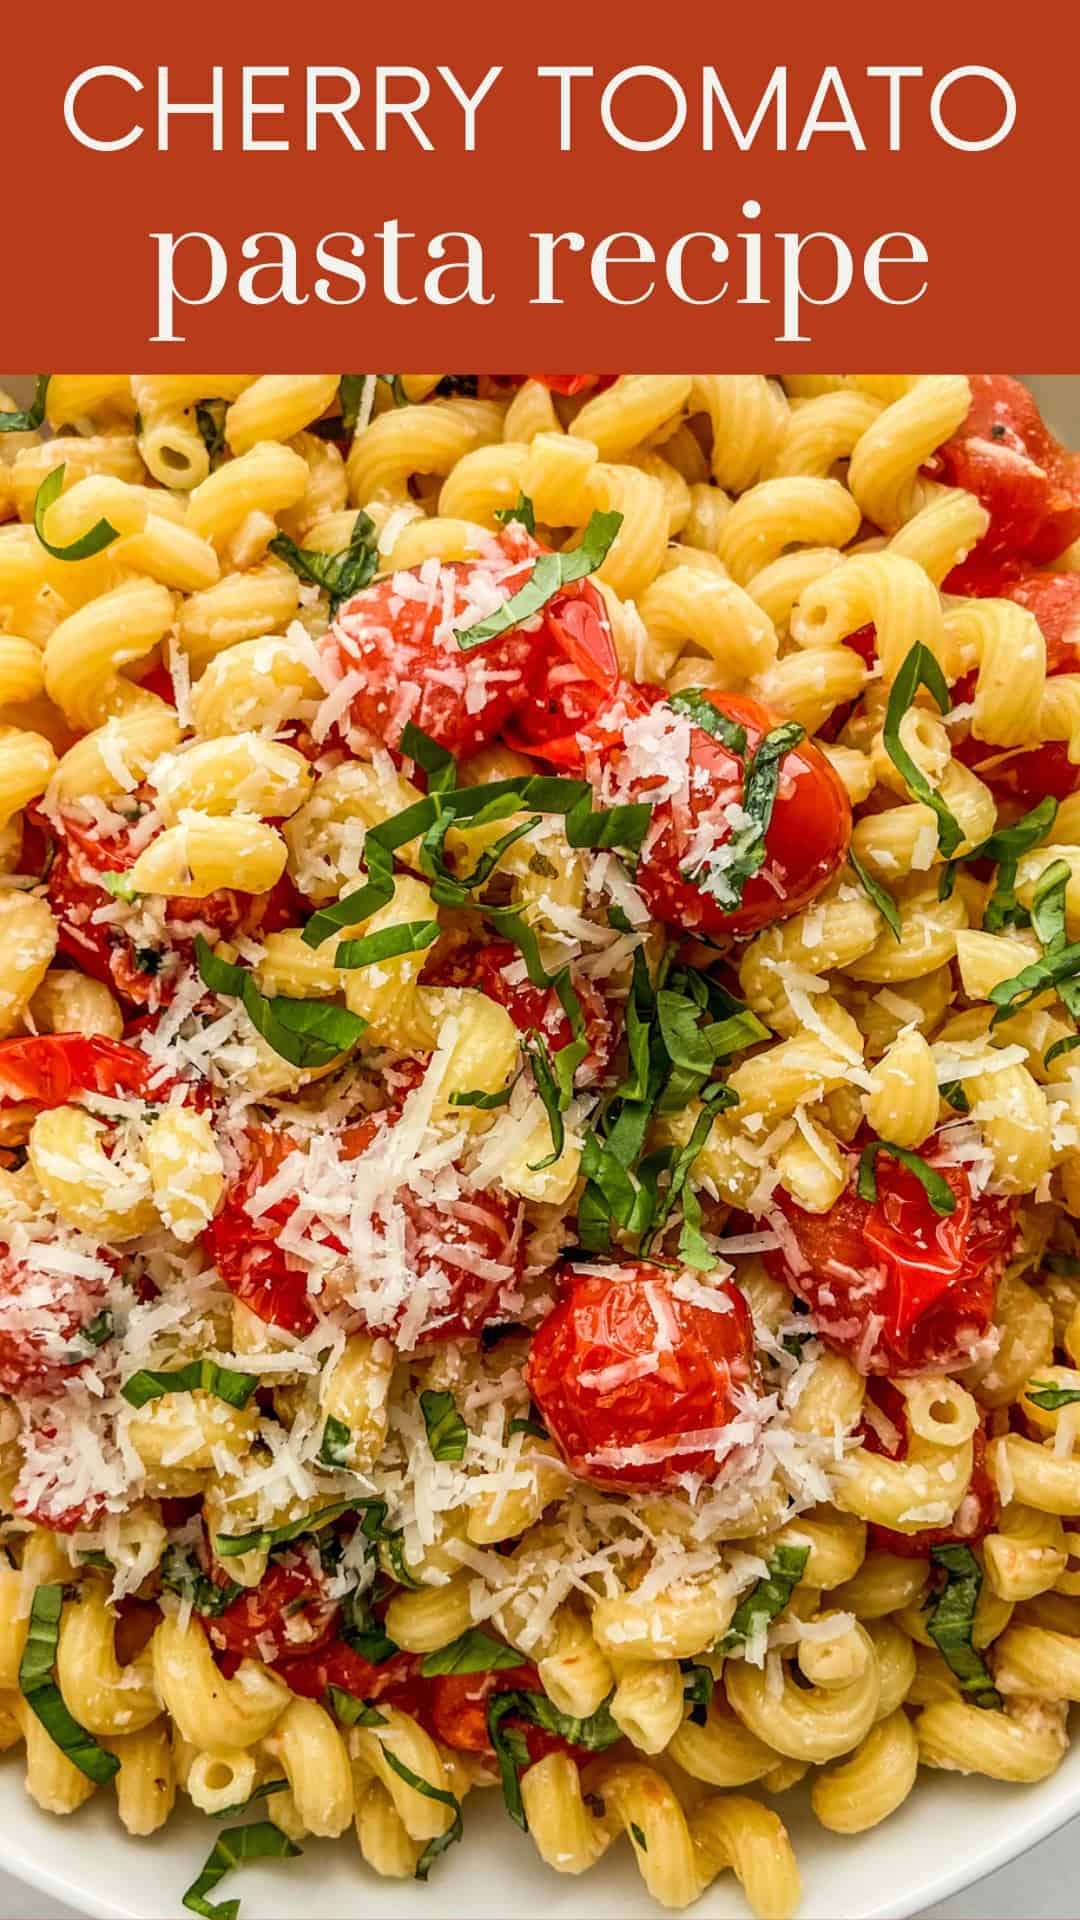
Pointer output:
x,y
539,1107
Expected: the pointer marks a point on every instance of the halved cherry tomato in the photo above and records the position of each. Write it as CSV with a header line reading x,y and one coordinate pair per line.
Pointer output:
x,y
50,1068
287,1615
1027,481
458,1243
695,787
897,1287
531,1008
636,1383
1028,774
975,1517
582,679
459,1703
396,643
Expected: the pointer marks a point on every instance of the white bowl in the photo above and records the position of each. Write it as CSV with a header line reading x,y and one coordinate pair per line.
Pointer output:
x,y
950,1832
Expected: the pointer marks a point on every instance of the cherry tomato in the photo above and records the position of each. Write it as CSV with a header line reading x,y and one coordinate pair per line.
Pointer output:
x,y
456,1243
1027,481
695,787
581,680
49,1069
895,1286
288,1614
978,1511
531,1008
42,1314
635,1383
459,1704
396,642
1028,774
336,1665
140,968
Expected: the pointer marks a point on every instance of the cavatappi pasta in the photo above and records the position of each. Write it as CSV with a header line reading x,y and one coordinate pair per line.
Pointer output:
x,y
539,1127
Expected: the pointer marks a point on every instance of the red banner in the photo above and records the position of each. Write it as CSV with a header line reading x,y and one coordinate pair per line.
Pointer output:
x,y
774,186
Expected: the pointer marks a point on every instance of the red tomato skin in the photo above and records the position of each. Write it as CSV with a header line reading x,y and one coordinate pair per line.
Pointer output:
x,y
336,1665
581,679
287,1615
931,1280
254,1267
50,1068
605,1325
532,1009
410,666
1027,481
459,1704
806,841
38,1349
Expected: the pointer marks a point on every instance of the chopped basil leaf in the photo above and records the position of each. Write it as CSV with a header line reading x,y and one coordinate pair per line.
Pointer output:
x,y
1007,847
472,1652
350,398
552,572
395,383
524,511
934,1185
199,1376
361,1631
353,1712
768,1598
228,1545
336,1441
338,574
880,895
94,540
951,1620
694,705
920,669
953,1092
261,1792
1048,906
97,1559
1047,1395
437,762
101,1328
698,1684
28,419
409,936
596,1733
261,1841
745,850
638,1836
533,1427
210,420
1016,994
448,1436
419,1785
308,1033
476,1097
43,1696
181,1574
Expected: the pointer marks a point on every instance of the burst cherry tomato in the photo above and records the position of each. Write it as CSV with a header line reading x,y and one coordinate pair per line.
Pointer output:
x,y
459,1704
636,1383
49,1069
1028,774
581,679
1027,481
695,787
397,1680
42,1316
531,1008
464,1247
287,1615
897,1287
395,642
975,1517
